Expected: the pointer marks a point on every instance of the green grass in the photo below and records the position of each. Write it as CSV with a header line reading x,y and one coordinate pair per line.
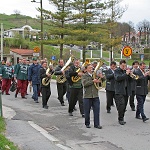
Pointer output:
x,y
5,144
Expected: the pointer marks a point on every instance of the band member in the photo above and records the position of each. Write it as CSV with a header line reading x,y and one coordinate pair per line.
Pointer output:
x,y
135,66
45,89
61,87
110,82
122,89
34,78
21,75
141,90
6,75
91,99
76,89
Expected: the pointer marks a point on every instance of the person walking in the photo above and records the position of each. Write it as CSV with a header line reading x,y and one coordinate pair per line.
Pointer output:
x,y
21,76
76,89
110,83
6,75
61,86
141,90
122,89
90,98
34,78
45,89
135,66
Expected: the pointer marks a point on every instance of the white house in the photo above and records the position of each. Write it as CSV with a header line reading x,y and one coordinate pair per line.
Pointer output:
x,y
25,31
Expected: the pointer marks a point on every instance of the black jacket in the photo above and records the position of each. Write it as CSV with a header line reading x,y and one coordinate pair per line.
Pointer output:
x,y
142,83
110,80
122,80
58,70
43,75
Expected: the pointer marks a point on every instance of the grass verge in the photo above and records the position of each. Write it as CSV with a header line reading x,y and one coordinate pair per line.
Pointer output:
x,y
5,144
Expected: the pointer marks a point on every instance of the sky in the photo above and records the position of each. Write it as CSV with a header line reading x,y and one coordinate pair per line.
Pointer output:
x,y
137,11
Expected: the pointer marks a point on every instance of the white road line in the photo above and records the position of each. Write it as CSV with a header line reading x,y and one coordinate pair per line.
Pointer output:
x,y
48,136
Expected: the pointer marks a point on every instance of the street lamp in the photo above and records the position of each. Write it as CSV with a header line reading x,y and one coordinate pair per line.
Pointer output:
x,y
41,25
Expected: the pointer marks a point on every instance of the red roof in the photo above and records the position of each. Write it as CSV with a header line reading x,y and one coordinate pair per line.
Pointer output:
x,y
23,51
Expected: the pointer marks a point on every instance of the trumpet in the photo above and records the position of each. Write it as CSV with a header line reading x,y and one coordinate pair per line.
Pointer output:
x,y
132,75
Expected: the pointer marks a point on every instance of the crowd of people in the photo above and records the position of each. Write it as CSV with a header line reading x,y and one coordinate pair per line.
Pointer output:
x,y
79,84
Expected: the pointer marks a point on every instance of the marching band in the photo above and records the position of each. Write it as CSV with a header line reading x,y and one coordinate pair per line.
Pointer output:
x,y
82,84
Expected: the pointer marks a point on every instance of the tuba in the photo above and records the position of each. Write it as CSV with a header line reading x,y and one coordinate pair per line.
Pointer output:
x,y
77,78
62,78
46,80
98,85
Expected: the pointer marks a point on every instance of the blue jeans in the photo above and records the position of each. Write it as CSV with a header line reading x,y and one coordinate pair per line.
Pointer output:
x,y
36,88
95,104
140,105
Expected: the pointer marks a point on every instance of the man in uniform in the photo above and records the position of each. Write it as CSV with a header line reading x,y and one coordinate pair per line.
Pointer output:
x,y
21,75
76,89
110,82
6,75
61,86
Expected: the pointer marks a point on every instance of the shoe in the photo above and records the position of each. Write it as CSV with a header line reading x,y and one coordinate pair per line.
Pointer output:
x,y
98,127
62,104
15,95
36,101
46,107
133,109
122,122
7,94
108,111
88,126
70,114
138,117
24,97
83,115
145,119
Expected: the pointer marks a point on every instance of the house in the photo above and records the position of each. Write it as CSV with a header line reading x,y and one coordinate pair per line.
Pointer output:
x,y
16,54
25,31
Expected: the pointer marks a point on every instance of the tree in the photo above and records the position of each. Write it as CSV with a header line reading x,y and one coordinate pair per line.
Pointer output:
x,y
58,21
17,13
88,14
113,15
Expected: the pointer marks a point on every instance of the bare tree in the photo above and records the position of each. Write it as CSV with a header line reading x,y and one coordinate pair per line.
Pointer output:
x,y
17,13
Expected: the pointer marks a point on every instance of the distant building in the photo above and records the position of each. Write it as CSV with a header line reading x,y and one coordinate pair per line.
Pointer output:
x,y
25,31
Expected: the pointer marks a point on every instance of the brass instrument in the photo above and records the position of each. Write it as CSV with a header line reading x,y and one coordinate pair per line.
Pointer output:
x,y
98,85
132,75
62,78
46,80
77,78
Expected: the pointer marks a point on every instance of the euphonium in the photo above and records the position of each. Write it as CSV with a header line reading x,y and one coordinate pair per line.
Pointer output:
x,y
62,78
77,78
46,80
98,85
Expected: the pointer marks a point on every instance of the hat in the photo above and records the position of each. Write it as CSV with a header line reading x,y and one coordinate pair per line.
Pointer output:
x,y
34,58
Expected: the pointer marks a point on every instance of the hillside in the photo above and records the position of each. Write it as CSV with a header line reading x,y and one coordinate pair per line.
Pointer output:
x,y
15,21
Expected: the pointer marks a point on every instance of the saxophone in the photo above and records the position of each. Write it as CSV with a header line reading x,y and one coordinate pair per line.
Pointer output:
x,y
98,85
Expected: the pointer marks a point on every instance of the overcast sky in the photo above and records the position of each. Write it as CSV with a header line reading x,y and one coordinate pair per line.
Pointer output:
x,y
137,11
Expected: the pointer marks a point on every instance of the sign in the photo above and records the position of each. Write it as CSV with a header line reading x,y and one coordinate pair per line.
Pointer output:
x,y
53,57
36,54
127,51
36,49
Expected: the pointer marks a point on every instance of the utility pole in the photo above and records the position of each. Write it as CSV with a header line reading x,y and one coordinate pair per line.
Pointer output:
x,y
41,7
1,41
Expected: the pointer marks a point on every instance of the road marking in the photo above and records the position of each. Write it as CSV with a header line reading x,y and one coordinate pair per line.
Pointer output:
x,y
48,136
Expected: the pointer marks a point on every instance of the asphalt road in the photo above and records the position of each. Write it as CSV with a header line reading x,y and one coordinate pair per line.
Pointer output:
x,y
70,130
